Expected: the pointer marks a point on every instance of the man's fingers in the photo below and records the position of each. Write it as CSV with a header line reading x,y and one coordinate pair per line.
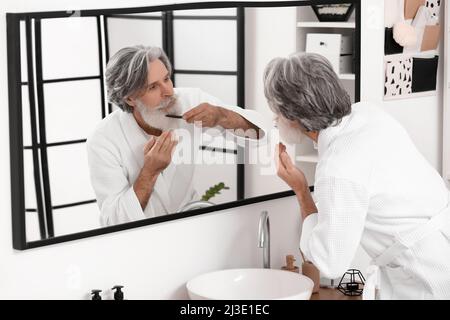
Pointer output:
x,y
197,116
173,146
277,155
194,111
168,142
162,140
150,143
286,160
282,147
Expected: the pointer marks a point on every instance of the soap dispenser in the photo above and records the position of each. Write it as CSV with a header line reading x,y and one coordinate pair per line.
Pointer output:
x,y
290,264
118,294
96,294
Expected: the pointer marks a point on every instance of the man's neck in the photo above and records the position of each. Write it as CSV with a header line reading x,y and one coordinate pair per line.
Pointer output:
x,y
147,128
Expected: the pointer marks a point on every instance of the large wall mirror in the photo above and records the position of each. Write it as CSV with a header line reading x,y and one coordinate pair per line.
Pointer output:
x,y
58,97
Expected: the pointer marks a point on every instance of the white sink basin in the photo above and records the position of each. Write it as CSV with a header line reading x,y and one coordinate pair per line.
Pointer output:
x,y
250,284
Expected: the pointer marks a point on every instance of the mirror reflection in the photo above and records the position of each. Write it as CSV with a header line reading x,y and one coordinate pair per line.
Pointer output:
x,y
135,116
142,158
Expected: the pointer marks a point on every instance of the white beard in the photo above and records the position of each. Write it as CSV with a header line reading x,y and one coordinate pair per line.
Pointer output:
x,y
156,117
290,135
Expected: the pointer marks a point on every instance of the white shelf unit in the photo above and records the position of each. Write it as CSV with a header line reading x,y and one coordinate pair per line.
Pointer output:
x,y
308,158
334,25
307,22
348,76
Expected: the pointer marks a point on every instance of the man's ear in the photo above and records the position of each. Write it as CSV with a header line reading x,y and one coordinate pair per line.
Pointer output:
x,y
131,102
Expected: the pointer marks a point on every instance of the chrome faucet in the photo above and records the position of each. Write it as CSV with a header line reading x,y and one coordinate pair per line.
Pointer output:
x,y
264,238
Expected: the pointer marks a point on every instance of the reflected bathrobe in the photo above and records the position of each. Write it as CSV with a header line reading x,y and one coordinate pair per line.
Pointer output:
x,y
116,157
374,188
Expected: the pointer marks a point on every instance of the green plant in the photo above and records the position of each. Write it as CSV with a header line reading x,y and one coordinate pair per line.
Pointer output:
x,y
211,192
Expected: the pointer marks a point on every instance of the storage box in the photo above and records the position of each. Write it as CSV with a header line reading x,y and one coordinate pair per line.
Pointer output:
x,y
337,48
333,12
425,74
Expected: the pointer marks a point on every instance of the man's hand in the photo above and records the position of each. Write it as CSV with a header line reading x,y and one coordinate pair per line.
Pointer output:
x,y
158,152
295,178
288,172
210,116
157,156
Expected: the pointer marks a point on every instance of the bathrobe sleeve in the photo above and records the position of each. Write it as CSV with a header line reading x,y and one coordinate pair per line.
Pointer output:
x,y
250,115
116,199
330,238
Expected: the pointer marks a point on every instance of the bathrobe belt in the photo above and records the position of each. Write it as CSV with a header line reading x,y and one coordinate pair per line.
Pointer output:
x,y
441,221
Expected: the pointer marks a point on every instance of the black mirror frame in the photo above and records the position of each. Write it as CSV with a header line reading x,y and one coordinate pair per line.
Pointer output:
x,y
15,113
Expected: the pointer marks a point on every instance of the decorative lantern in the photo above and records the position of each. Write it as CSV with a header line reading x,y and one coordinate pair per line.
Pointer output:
x,y
352,283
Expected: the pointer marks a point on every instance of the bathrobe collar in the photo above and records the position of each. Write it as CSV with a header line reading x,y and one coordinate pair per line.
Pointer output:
x,y
328,135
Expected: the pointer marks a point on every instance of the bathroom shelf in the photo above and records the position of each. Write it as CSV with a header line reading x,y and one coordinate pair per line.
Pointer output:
x,y
309,158
347,76
318,24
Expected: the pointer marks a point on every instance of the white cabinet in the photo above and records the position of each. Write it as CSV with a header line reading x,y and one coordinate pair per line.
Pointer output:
x,y
334,40
337,48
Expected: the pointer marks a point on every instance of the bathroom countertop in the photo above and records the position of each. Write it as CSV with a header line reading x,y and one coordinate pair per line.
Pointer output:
x,y
332,294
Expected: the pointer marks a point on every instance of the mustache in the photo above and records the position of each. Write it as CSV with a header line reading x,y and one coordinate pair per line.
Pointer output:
x,y
168,102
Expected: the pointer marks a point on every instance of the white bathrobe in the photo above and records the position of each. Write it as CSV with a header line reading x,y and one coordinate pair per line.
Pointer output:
x,y
116,157
375,188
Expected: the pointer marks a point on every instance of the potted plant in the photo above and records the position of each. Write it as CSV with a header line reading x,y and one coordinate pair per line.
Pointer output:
x,y
204,201
211,192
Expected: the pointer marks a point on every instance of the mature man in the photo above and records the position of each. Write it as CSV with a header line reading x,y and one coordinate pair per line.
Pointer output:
x,y
372,185
130,152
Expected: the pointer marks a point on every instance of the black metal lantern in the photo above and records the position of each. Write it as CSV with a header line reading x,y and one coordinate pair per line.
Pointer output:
x,y
352,283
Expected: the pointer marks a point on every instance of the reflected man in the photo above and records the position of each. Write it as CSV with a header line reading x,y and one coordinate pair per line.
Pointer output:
x,y
130,152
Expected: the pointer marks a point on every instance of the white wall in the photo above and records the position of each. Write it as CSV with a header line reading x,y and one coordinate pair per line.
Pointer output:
x,y
155,262
446,104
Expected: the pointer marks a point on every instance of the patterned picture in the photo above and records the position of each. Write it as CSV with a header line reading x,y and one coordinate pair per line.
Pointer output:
x,y
411,50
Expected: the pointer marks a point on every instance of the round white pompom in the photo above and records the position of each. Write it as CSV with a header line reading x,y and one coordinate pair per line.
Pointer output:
x,y
405,34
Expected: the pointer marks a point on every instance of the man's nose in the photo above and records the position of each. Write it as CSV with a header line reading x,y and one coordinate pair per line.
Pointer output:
x,y
167,89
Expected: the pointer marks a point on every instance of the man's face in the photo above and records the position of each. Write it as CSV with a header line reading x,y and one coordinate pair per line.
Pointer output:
x,y
290,131
159,86
157,99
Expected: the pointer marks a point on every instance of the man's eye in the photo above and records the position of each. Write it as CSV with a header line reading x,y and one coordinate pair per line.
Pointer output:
x,y
167,79
151,87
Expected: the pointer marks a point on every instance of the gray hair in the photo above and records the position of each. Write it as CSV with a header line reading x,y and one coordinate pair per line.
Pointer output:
x,y
127,71
305,88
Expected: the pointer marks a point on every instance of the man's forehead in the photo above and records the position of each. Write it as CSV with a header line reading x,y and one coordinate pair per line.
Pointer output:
x,y
157,70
